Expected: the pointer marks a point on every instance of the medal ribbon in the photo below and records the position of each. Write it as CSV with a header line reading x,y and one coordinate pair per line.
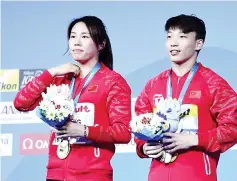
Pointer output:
x,y
185,86
87,81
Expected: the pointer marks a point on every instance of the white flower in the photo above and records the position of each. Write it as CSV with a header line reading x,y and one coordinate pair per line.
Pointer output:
x,y
65,91
51,92
143,121
60,115
69,105
156,121
134,124
65,112
51,114
44,105
60,100
57,102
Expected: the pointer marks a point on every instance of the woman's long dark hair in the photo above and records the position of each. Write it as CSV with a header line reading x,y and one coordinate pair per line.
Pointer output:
x,y
99,35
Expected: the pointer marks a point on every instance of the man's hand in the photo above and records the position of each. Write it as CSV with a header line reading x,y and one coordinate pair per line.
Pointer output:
x,y
179,141
153,150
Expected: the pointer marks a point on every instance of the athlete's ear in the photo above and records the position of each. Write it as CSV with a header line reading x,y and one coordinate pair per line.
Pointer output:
x,y
199,44
102,45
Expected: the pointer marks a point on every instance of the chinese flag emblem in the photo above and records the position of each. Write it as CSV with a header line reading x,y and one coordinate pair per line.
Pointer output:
x,y
93,88
195,94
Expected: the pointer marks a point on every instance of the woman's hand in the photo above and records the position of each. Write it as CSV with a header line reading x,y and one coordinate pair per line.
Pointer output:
x,y
65,69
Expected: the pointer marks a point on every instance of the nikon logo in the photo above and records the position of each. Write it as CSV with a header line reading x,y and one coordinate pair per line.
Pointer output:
x,y
9,80
7,87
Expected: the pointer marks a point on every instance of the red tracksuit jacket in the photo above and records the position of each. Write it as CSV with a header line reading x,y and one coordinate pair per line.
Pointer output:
x,y
213,110
106,100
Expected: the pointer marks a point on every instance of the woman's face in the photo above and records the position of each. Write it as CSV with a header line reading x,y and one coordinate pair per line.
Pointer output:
x,y
81,45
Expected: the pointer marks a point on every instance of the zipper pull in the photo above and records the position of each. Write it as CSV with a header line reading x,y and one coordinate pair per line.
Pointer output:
x,y
178,79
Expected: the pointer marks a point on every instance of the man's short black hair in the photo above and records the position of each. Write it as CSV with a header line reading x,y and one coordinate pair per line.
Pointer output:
x,y
188,24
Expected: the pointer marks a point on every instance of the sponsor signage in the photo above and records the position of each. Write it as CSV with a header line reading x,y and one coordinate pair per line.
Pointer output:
x,y
9,80
26,75
6,144
34,144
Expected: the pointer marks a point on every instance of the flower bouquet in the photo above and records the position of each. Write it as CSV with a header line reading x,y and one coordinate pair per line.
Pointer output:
x,y
151,126
57,106
146,127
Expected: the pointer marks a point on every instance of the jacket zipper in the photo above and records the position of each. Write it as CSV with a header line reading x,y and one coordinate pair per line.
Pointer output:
x,y
177,87
207,164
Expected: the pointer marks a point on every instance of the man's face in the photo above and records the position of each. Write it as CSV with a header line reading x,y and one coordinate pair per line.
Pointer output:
x,y
181,46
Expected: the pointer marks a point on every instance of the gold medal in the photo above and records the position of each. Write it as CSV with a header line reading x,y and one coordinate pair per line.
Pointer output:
x,y
63,149
168,157
174,157
162,159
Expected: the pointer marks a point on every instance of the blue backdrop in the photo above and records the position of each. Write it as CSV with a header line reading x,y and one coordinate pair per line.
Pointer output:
x,y
34,37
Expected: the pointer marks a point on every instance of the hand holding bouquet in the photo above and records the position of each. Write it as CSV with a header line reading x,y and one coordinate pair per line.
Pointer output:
x,y
151,126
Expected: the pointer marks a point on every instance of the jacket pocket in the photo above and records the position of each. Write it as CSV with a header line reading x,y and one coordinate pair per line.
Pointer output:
x,y
207,164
